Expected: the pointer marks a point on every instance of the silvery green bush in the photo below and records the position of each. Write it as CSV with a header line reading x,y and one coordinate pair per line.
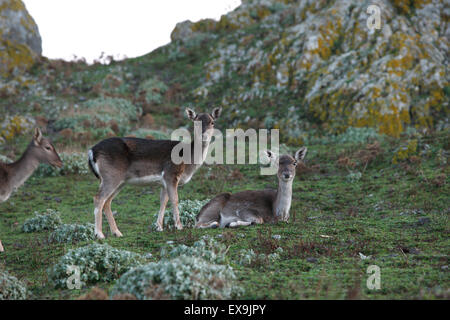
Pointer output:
x,y
104,110
354,176
153,89
96,262
11,288
183,277
72,233
73,163
351,135
248,257
48,220
188,212
207,249
143,133
5,159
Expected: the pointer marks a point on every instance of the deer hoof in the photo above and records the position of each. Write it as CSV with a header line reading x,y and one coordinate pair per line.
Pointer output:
x,y
100,235
179,227
214,225
159,228
117,233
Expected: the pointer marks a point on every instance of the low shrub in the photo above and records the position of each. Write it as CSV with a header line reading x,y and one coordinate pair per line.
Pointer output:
x,y
354,176
188,213
48,220
207,249
71,233
73,163
153,89
96,262
146,133
183,272
11,288
101,116
248,257
351,135
5,159
183,277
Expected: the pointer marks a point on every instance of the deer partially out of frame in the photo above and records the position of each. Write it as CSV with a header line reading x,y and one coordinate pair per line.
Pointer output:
x,y
118,161
13,175
254,207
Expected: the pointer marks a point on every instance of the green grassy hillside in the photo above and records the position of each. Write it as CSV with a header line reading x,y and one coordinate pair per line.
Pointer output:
x,y
372,108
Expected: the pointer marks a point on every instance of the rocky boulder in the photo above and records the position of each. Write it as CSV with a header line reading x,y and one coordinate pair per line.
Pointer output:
x,y
186,30
20,41
319,60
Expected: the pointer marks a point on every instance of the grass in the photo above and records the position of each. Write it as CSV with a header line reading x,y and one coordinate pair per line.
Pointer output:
x,y
396,214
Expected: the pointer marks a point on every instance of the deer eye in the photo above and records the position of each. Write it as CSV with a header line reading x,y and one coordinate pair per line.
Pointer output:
x,y
48,148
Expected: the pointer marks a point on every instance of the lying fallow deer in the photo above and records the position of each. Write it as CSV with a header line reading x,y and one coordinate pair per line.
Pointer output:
x,y
254,207
13,175
119,161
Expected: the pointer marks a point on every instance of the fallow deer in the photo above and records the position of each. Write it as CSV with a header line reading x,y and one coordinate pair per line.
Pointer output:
x,y
120,161
13,175
254,206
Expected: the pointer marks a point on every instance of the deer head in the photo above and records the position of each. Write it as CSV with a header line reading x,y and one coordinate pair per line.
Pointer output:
x,y
43,150
287,163
207,119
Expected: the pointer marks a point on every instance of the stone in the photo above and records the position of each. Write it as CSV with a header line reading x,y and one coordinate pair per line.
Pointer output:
x,y
338,73
20,41
182,31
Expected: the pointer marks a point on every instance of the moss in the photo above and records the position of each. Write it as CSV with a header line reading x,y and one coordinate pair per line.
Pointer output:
x,y
15,56
15,5
406,6
13,126
405,152
204,25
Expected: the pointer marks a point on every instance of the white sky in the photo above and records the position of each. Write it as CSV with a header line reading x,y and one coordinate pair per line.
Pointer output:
x,y
86,28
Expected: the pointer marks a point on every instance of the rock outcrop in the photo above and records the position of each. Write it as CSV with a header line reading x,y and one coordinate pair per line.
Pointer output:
x,y
20,41
318,60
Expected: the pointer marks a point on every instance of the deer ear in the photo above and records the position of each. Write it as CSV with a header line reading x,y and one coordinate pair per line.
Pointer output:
x,y
271,155
37,137
300,154
190,114
216,113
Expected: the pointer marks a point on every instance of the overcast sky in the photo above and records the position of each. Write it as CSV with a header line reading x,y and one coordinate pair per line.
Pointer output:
x,y
132,28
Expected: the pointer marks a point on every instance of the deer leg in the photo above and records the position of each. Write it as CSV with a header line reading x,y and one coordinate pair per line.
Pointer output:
x,y
246,217
1,246
163,198
109,215
98,205
172,190
239,223
204,225
107,189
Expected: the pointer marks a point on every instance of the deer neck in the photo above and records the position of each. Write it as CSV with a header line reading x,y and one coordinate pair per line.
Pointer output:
x,y
199,145
23,168
283,200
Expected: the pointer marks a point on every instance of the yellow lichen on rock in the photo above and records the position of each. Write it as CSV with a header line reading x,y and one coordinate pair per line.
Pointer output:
x,y
20,42
15,57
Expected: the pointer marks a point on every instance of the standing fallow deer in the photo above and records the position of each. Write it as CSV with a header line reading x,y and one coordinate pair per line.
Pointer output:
x,y
254,206
13,175
120,161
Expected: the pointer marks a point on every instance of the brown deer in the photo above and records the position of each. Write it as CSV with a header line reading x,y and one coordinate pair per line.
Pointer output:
x,y
13,175
119,161
254,207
